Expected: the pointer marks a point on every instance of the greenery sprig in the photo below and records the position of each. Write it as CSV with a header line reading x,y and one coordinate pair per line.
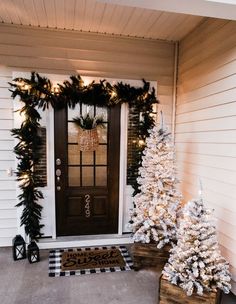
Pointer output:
x,y
88,122
27,152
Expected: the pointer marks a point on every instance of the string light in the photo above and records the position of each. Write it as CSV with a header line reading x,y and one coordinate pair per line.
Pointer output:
x,y
113,94
55,89
23,86
141,142
26,87
23,144
25,176
24,180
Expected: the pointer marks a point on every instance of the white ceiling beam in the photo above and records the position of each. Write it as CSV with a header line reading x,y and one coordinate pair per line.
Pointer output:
x,y
225,9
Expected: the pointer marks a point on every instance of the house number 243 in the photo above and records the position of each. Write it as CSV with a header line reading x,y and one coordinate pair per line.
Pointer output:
x,y
87,205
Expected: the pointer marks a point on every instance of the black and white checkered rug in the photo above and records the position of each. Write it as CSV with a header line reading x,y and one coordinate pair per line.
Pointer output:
x,y
55,269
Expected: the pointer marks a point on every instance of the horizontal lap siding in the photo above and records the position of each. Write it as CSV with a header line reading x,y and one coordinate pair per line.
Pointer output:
x,y
70,52
8,223
206,124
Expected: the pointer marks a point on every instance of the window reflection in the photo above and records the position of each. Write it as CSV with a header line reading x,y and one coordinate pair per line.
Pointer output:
x,y
101,176
74,176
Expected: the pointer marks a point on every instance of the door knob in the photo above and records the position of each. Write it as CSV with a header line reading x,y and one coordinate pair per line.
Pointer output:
x,y
58,161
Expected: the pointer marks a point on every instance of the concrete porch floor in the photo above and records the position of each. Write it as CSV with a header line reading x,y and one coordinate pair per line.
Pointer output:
x,y
24,283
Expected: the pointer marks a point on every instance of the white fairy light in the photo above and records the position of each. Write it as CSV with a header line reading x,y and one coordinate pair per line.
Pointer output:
x,y
113,94
141,142
55,89
24,86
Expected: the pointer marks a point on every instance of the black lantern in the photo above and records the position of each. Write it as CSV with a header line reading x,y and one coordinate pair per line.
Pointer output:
x,y
18,248
33,252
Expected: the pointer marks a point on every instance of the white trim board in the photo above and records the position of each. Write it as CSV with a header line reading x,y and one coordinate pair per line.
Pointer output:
x,y
85,241
224,9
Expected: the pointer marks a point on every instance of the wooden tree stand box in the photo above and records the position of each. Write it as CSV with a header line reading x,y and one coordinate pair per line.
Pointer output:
x,y
172,294
148,255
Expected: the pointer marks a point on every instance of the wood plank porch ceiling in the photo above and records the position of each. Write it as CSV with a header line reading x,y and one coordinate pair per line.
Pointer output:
x,y
98,17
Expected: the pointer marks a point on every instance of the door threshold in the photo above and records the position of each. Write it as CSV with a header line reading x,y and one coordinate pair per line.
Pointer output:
x,y
84,241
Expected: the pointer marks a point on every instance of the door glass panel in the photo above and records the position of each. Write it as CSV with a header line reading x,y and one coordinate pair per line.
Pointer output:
x,y
87,176
101,155
87,158
101,176
72,113
102,134
85,109
74,176
102,112
73,155
86,164
72,133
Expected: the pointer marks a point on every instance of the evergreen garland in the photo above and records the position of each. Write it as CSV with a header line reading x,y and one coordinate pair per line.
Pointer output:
x,y
37,91
27,152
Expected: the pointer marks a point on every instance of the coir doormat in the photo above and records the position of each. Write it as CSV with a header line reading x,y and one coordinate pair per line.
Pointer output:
x,y
78,261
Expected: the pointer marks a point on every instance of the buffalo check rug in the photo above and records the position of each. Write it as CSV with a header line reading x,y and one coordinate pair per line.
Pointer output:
x,y
88,260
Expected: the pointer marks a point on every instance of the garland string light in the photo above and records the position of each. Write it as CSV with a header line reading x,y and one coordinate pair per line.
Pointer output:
x,y
38,92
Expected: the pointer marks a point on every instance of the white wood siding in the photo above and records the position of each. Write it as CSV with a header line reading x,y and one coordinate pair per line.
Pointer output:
x,y
206,124
8,223
57,52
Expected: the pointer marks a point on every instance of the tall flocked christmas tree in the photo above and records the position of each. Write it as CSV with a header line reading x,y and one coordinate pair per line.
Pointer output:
x,y
195,263
153,218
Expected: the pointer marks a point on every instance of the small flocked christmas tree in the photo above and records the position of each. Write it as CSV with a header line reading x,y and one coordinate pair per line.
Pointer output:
x,y
153,218
195,263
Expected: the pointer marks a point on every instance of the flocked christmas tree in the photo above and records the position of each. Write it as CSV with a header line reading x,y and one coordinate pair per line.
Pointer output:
x,y
195,263
153,218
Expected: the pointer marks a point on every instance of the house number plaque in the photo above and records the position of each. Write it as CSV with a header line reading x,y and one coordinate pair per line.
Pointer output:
x,y
87,205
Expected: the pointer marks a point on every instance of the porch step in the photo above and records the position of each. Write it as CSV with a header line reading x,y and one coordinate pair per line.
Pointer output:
x,y
84,241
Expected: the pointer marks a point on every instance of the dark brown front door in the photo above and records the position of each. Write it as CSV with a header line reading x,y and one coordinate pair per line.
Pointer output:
x,y
87,183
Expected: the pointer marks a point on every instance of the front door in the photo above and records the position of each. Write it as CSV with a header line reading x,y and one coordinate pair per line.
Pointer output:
x,y
87,183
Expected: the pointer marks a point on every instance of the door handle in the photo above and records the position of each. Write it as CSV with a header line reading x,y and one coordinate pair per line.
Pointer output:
x,y
58,161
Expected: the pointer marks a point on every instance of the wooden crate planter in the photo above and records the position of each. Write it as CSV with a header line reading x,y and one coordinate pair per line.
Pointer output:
x,y
172,294
148,255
